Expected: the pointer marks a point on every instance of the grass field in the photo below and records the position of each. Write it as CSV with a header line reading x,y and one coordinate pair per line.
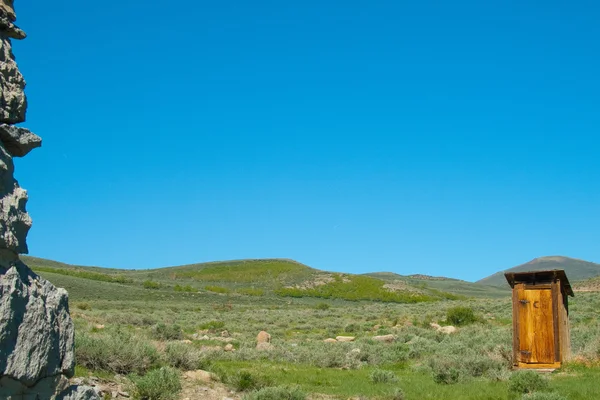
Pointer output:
x,y
127,329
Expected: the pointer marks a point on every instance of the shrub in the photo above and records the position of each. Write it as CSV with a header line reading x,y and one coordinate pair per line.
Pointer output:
x,y
383,376
217,289
251,292
181,355
167,332
398,394
543,396
83,306
159,384
446,376
277,393
117,352
526,382
186,288
244,380
351,328
460,316
322,306
151,285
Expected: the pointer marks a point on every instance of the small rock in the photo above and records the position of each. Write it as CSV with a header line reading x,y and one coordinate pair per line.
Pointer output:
x,y
448,329
123,394
186,341
114,394
435,326
229,347
264,346
99,326
345,338
263,337
225,333
385,338
330,340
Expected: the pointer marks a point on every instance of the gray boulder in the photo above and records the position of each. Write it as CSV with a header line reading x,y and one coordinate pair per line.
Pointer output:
x,y
36,330
78,393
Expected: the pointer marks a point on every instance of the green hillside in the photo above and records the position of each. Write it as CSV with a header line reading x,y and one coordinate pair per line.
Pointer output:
x,y
588,285
575,269
450,285
262,277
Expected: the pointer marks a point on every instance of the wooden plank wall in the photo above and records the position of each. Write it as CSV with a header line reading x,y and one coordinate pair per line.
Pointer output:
x,y
565,331
515,305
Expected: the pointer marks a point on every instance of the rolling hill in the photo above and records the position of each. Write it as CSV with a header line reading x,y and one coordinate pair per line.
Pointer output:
x,y
260,277
576,270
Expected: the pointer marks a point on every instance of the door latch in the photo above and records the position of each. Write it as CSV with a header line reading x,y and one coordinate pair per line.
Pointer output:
x,y
524,301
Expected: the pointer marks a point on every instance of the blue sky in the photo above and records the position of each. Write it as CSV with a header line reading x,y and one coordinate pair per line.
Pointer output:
x,y
444,138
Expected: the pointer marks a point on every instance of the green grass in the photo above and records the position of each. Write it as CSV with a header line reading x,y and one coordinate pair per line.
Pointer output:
x,y
245,271
355,287
415,385
217,289
78,273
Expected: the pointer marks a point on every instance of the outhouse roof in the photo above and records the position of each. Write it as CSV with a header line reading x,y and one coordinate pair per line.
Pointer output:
x,y
540,277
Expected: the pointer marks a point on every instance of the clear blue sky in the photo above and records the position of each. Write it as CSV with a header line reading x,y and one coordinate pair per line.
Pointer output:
x,y
445,138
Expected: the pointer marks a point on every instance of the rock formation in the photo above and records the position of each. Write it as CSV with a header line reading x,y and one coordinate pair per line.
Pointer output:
x,y
36,331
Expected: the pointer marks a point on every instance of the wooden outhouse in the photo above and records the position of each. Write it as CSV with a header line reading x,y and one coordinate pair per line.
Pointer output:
x,y
540,318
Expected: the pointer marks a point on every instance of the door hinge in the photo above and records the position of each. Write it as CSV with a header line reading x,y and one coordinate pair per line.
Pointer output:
x,y
524,301
525,353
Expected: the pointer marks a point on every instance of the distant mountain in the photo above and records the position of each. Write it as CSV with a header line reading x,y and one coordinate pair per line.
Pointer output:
x,y
576,270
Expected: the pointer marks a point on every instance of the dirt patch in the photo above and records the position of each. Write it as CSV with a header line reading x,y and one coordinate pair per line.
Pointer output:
x,y
193,390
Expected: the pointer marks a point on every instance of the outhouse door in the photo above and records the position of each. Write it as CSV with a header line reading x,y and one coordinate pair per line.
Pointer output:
x,y
535,325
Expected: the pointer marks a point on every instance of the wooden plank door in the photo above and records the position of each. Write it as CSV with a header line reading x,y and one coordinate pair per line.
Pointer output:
x,y
536,326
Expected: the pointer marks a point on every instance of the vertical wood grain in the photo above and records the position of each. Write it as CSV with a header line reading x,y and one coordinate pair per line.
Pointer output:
x,y
556,320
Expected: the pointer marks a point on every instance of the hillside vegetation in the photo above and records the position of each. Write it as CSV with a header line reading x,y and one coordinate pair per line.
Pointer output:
x,y
575,269
134,334
250,278
588,285
455,286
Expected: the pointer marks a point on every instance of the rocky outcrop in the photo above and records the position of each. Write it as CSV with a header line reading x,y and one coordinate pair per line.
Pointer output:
x,y
36,331
13,102
18,141
14,220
